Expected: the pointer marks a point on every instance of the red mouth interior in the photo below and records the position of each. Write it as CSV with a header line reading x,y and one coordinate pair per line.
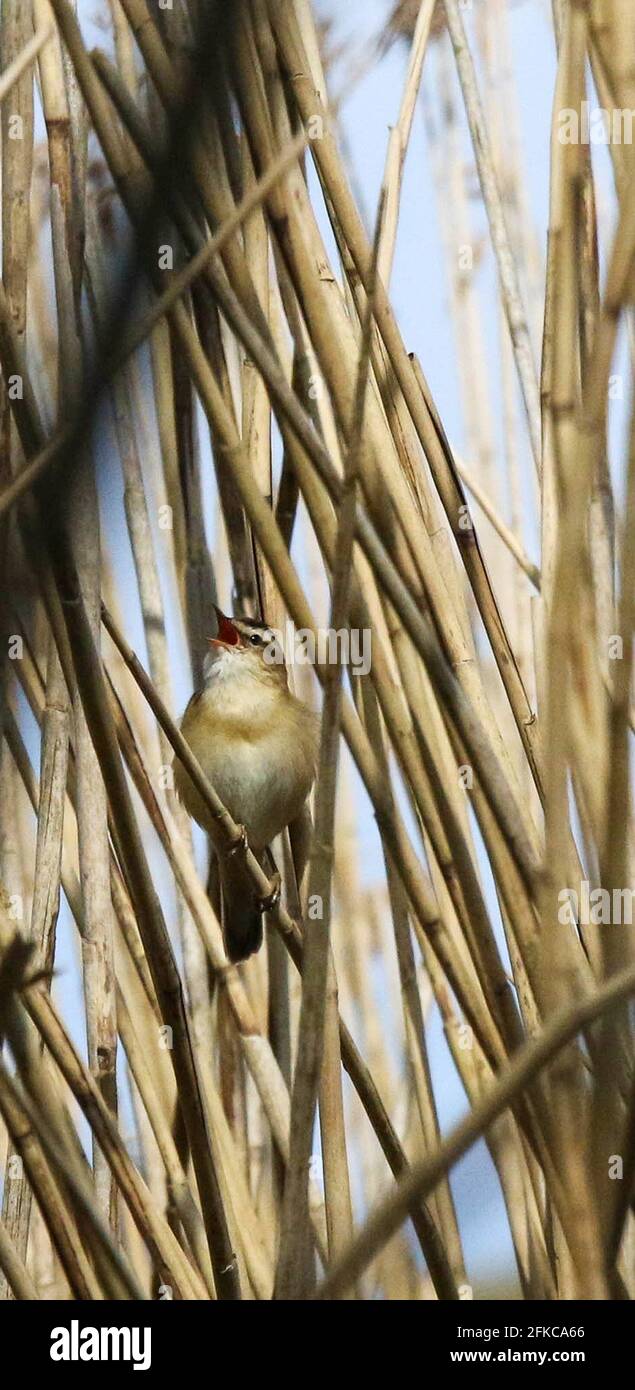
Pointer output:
x,y
227,633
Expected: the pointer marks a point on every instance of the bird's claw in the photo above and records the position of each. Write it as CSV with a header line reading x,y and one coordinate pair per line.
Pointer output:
x,y
239,845
268,902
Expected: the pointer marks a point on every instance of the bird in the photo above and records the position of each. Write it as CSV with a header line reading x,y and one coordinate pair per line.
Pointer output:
x,y
257,744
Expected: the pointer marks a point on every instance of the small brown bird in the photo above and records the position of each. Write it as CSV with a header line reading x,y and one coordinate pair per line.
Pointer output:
x,y
257,745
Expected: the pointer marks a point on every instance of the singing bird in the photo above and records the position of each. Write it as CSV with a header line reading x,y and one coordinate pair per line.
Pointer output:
x,y
257,744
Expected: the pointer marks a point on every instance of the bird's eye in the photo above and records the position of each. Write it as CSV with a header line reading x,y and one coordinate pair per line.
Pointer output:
x,y
254,639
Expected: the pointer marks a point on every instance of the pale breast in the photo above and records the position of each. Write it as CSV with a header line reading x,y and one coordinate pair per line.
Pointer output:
x,y
262,770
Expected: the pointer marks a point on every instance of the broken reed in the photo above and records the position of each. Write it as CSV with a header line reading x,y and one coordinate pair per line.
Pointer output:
x,y
490,733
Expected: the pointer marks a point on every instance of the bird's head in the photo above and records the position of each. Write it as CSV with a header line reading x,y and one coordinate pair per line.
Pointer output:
x,y
245,647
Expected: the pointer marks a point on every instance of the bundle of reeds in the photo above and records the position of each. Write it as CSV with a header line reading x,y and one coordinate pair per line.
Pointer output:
x,y
175,334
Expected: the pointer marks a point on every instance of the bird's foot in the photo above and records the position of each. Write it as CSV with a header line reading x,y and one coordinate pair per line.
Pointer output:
x,y
238,846
269,901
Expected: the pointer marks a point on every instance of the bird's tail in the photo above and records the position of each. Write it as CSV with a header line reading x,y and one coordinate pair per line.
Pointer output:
x,y
242,918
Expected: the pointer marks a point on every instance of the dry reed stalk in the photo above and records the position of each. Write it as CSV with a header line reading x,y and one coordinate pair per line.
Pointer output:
x,y
526,1065
415,392
224,425
464,255
17,164
217,291
256,1056
313,1028
255,1060
169,1258
512,300
399,137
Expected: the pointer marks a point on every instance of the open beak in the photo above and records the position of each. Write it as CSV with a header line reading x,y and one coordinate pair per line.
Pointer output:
x,y
227,635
